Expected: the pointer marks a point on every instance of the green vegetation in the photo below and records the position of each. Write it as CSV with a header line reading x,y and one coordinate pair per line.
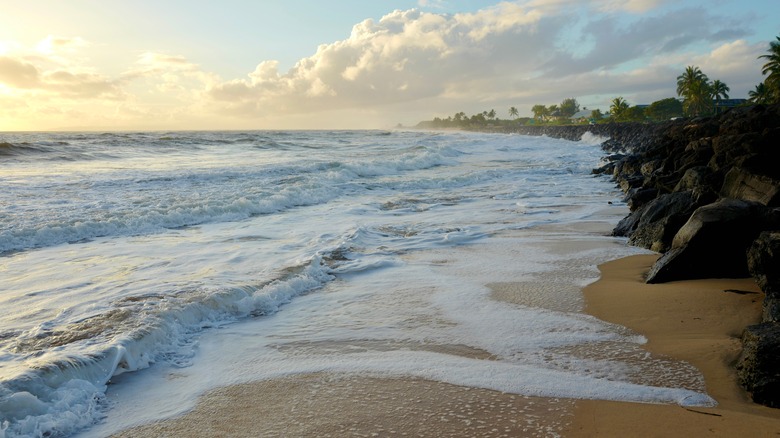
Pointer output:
x,y
698,96
569,107
693,87
480,120
719,90
560,114
770,92
619,109
760,94
664,109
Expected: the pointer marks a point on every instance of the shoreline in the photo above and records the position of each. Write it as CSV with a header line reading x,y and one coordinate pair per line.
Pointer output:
x,y
698,321
695,321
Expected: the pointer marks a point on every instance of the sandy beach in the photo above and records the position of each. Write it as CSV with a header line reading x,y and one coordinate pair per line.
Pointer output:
x,y
696,321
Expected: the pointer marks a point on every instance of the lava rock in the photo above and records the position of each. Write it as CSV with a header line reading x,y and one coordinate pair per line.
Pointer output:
x,y
763,259
758,367
713,243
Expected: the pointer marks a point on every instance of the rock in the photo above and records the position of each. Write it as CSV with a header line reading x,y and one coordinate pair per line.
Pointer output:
x,y
758,367
628,166
713,243
606,169
648,168
749,119
742,184
639,197
699,155
692,163
660,221
696,178
728,148
628,224
763,259
630,182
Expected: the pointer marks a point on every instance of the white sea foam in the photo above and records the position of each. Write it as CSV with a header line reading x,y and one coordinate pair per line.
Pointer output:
x,y
51,397
593,139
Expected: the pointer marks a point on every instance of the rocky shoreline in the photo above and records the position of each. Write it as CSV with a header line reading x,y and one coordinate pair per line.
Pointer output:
x,y
705,193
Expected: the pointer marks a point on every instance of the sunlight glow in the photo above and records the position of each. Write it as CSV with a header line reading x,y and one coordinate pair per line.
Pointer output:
x,y
405,65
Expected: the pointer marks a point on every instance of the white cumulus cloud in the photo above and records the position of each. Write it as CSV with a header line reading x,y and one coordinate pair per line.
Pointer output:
x,y
407,65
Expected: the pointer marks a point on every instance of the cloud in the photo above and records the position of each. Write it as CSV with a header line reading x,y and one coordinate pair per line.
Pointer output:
x,y
23,75
610,6
436,4
634,6
406,65
519,49
46,74
616,42
405,56
54,44
18,73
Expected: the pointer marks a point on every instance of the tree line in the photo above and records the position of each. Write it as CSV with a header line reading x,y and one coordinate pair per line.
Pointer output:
x,y
697,96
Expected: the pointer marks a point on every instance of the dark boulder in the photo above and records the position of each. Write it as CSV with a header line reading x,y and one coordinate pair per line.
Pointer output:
x,y
727,149
607,169
763,259
628,224
741,183
661,219
749,119
713,243
629,165
627,183
758,367
696,153
638,197
695,178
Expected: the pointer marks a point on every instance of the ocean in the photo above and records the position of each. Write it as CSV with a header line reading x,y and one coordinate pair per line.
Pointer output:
x,y
139,270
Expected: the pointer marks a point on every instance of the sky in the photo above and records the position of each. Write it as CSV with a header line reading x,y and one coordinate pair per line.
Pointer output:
x,y
356,64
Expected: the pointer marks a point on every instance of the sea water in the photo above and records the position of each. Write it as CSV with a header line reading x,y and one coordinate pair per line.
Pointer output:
x,y
228,257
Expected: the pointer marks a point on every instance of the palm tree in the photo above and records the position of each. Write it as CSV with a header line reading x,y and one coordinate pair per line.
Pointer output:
x,y
760,94
513,112
618,108
699,99
693,85
691,76
540,112
719,89
772,70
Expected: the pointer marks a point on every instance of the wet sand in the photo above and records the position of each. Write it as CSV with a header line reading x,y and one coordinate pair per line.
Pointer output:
x,y
695,321
327,405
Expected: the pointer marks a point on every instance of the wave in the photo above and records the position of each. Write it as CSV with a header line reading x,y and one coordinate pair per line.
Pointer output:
x,y
593,139
62,393
26,149
58,384
154,204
